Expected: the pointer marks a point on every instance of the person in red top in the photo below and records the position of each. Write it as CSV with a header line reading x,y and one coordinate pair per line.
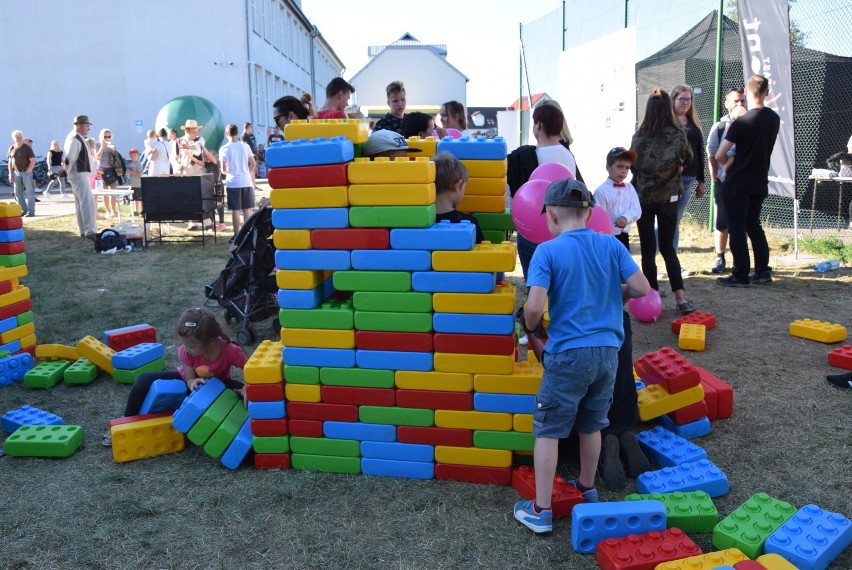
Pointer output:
x,y
205,351
337,94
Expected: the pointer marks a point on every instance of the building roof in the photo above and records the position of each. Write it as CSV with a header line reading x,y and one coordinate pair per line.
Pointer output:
x,y
408,42
536,99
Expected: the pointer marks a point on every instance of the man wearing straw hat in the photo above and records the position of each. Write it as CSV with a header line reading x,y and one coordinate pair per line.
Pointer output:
x,y
191,149
78,166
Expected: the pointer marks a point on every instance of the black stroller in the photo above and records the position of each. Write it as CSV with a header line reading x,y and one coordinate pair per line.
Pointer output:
x,y
246,287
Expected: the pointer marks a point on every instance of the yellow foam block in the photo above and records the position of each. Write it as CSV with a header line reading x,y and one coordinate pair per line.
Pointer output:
x,y
315,197
635,374
817,330
493,204
56,352
654,400
382,170
16,296
485,256
97,352
531,357
392,194
473,456
291,239
486,168
9,273
318,338
265,366
525,378
486,187
438,381
17,333
146,438
300,278
474,363
774,561
522,422
706,561
499,302
28,341
691,337
355,130
10,210
428,146
495,421
302,392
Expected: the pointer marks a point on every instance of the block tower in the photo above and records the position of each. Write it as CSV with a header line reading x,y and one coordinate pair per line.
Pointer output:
x,y
17,331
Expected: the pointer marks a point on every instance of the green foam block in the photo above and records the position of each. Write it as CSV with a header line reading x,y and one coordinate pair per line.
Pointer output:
x,y
394,322
325,446
226,432
512,440
44,441
25,318
690,512
748,527
494,236
129,376
301,374
13,260
329,315
392,302
397,416
272,444
46,374
326,463
81,372
213,417
372,281
357,377
494,221
392,216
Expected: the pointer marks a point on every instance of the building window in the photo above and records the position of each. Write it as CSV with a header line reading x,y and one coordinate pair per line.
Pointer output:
x,y
256,16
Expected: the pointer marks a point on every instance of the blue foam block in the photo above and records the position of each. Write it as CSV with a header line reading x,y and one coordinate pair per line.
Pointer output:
x,y
9,236
8,324
391,468
305,298
702,475
452,282
105,339
139,355
239,448
509,403
594,522
443,235
267,410
13,368
309,218
304,152
698,428
359,431
196,404
480,148
394,360
397,451
28,416
811,538
668,449
473,324
390,260
164,395
313,259
334,357
639,385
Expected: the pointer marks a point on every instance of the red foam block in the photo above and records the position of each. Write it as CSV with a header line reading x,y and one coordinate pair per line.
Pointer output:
x,y
13,223
402,341
139,418
434,400
12,247
689,413
563,497
269,428
475,343
304,428
435,436
29,350
351,238
15,309
644,551
265,392
125,339
841,357
358,396
749,565
322,411
724,394
667,367
696,318
308,176
473,474
6,287
272,460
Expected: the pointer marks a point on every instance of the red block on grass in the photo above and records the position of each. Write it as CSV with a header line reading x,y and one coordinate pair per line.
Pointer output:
x,y
667,367
269,428
322,412
435,436
358,396
139,418
265,392
351,238
15,309
272,461
473,474
308,176
402,341
689,413
12,247
563,498
13,223
29,350
304,428
6,287
475,343
724,395
125,339
644,551
696,318
841,357
434,400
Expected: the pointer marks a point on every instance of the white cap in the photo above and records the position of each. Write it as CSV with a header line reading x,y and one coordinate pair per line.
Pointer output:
x,y
383,141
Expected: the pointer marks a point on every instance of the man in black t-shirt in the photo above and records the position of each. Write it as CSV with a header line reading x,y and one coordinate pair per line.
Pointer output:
x,y
747,185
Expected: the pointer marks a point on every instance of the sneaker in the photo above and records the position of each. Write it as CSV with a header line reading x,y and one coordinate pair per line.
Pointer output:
x,y
538,522
610,467
221,228
589,495
523,341
732,282
685,307
718,265
762,279
685,273
634,458
106,440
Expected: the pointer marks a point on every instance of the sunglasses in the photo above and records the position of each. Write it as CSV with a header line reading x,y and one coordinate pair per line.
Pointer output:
x,y
106,137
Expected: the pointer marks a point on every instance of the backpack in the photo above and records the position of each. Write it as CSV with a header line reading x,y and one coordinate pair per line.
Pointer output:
x,y
116,161
110,239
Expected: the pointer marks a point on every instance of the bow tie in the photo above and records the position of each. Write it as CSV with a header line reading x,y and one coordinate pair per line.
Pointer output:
x,y
619,184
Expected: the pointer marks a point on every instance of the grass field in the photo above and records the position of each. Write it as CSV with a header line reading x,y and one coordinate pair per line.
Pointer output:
x,y
789,437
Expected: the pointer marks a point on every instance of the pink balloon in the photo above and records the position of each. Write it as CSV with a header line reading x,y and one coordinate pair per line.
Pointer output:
x,y
648,308
600,221
455,133
526,211
551,171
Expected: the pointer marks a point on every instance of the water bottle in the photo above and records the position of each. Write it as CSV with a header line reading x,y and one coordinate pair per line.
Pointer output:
x,y
827,266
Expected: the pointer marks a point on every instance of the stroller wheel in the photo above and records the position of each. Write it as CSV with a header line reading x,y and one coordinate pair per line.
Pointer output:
x,y
245,336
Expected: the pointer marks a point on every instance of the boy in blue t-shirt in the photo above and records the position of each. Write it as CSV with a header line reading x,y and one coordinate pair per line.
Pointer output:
x,y
580,273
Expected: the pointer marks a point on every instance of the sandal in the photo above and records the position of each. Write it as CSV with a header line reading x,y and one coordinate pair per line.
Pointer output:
x,y
106,440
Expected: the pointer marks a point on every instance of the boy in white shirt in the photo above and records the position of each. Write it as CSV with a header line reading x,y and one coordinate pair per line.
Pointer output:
x,y
618,197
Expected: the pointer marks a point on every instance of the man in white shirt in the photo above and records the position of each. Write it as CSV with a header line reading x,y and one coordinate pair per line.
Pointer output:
x,y
238,163
78,166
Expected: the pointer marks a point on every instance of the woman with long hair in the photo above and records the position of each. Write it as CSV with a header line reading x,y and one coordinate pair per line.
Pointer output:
x,y
684,111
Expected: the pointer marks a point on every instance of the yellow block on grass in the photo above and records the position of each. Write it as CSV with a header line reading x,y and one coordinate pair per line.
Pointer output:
x,y
302,392
438,381
265,365
16,296
496,421
499,302
474,363
315,197
10,210
485,256
473,456
56,352
97,352
392,194
691,337
817,330
28,341
525,378
291,239
146,438
774,561
523,423
318,338
654,401
709,560
300,278
17,333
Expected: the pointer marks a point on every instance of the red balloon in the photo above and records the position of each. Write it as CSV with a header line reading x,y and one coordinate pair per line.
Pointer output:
x,y
600,221
551,171
526,211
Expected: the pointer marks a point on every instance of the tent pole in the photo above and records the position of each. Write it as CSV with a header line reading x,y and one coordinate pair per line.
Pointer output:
x,y
717,87
520,82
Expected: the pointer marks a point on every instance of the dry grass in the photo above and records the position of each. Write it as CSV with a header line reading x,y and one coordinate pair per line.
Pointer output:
x,y
789,437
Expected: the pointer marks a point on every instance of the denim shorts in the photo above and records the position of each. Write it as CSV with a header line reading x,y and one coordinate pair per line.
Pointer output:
x,y
576,391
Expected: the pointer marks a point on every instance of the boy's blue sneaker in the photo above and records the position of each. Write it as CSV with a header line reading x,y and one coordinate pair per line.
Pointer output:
x,y
589,495
538,522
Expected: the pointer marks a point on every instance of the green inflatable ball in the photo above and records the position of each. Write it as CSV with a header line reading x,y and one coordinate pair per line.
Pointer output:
x,y
176,112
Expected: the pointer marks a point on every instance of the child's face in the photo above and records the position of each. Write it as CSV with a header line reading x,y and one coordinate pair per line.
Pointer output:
x,y
458,192
193,346
619,170
396,102
134,156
